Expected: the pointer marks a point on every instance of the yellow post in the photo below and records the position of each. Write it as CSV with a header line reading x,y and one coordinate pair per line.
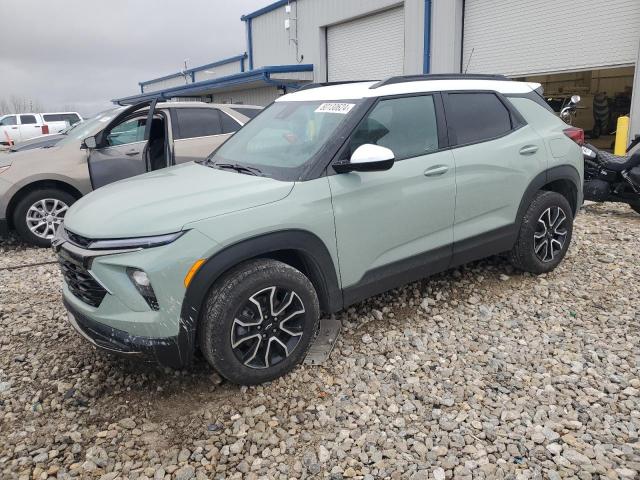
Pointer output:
x,y
622,135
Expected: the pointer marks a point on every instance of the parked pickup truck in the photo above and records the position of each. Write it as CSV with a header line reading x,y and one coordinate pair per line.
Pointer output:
x,y
16,128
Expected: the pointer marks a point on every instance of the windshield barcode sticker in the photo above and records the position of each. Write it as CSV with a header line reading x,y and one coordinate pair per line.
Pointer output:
x,y
342,108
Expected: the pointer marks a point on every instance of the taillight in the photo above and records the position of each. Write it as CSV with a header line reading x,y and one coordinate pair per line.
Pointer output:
x,y
45,129
576,134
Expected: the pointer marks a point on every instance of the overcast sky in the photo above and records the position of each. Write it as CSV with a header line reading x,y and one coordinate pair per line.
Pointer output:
x,y
83,53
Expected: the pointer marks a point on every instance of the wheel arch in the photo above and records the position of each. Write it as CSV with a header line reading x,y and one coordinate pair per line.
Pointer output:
x,y
563,179
37,184
300,249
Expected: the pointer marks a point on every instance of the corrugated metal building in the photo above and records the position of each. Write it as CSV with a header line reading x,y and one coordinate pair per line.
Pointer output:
x,y
293,42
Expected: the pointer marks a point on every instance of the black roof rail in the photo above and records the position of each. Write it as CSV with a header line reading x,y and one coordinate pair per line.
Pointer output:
x,y
309,86
438,76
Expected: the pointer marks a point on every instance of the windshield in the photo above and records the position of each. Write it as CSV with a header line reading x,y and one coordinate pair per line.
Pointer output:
x,y
282,140
80,131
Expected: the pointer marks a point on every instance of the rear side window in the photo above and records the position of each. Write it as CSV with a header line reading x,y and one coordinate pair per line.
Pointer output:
x,y
476,117
247,112
405,125
27,119
197,122
8,121
229,125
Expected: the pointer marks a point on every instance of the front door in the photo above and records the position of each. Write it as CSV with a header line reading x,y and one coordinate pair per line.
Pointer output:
x,y
121,148
10,129
395,226
122,154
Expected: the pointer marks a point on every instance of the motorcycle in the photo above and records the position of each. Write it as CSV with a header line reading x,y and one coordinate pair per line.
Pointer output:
x,y
611,178
569,109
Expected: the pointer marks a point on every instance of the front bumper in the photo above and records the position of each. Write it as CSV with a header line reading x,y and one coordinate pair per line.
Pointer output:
x,y
170,352
108,311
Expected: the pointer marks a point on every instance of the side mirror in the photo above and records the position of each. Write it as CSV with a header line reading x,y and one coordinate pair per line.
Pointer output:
x,y
367,158
90,142
575,99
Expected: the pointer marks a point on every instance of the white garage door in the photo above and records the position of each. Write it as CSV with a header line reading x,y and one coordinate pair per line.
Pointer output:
x,y
369,48
546,36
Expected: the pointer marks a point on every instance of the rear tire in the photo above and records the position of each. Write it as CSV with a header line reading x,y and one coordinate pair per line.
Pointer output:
x,y
545,234
39,213
259,321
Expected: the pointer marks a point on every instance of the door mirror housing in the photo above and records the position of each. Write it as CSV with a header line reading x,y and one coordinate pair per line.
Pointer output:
x,y
90,142
367,158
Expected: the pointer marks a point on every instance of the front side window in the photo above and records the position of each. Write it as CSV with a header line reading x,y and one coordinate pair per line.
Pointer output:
x,y
8,121
197,122
285,137
92,126
129,131
476,117
27,119
406,125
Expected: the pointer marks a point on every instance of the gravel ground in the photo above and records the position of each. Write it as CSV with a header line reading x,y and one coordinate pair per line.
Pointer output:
x,y
481,372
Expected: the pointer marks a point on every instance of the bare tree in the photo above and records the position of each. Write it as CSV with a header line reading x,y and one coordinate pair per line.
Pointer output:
x,y
17,104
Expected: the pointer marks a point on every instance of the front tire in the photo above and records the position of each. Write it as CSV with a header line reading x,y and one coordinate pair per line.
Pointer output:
x,y
635,207
545,234
39,213
259,321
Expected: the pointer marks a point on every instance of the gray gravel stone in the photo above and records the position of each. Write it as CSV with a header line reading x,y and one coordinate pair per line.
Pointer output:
x,y
479,372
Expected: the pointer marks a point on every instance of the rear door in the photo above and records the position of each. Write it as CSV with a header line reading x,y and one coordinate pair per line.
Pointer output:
x,y
30,126
496,156
121,147
198,131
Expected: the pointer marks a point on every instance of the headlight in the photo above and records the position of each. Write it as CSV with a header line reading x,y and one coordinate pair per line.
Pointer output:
x,y
4,169
137,242
141,281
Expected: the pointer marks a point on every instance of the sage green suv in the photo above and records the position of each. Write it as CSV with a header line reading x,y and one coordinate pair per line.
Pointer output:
x,y
329,196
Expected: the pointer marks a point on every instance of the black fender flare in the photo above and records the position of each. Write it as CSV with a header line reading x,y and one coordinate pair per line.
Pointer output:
x,y
317,259
561,172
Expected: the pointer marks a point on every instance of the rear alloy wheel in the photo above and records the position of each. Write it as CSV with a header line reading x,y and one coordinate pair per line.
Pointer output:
x,y
545,234
259,322
550,235
39,213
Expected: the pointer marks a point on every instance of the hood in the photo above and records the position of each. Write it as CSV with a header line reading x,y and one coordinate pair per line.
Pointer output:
x,y
40,158
163,201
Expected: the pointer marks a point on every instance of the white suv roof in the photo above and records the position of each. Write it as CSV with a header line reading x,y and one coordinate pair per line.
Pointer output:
x,y
354,91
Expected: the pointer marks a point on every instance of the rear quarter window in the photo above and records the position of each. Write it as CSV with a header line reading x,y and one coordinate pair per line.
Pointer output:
x,y
248,112
534,113
477,117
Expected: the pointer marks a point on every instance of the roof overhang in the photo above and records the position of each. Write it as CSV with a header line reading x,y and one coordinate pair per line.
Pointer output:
x,y
276,75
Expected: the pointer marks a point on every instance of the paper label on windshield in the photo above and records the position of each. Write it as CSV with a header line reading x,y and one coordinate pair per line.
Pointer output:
x,y
342,108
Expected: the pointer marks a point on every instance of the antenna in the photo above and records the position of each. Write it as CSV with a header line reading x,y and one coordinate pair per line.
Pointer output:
x,y
183,71
469,61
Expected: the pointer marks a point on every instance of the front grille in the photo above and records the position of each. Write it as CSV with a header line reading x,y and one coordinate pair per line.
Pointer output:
x,y
80,282
78,240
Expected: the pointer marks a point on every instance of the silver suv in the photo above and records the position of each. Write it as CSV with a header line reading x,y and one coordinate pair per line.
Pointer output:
x,y
38,186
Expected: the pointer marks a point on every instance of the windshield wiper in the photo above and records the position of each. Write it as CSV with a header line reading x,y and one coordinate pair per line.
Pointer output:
x,y
237,167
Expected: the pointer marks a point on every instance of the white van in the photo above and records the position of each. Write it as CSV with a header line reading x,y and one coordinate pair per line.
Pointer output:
x,y
16,128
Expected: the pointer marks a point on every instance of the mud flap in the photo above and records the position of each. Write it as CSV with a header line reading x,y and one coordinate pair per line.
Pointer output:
x,y
325,341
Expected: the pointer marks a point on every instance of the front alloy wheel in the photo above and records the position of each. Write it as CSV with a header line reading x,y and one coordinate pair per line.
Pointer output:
x,y
268,327
44,217
259,321
550,235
